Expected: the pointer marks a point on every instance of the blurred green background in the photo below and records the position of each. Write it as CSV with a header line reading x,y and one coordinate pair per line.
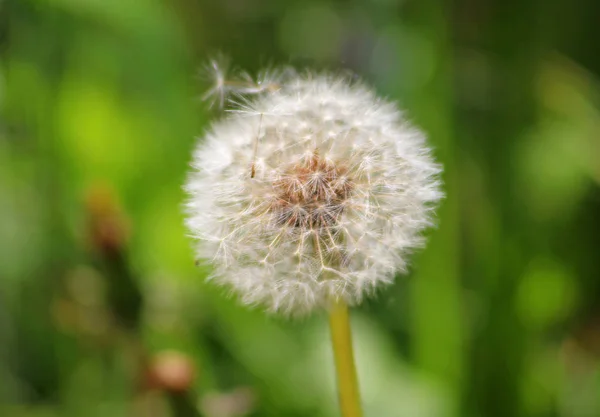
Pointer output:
x,y
102,311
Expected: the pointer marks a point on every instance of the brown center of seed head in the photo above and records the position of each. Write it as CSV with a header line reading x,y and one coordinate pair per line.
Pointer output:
x,y
311,194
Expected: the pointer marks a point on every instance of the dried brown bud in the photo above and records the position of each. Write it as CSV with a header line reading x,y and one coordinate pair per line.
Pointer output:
x,y
171,371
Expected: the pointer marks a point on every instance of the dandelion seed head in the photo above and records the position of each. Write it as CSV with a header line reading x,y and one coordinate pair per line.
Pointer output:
x,y
316,191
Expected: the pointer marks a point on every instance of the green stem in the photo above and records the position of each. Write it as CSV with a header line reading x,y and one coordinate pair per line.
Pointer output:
x,y
341,338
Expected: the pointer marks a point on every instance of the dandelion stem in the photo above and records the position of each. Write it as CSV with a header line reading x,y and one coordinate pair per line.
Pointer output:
x,y
341,338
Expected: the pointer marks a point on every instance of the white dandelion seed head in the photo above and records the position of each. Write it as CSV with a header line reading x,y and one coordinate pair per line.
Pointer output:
x,y
313,192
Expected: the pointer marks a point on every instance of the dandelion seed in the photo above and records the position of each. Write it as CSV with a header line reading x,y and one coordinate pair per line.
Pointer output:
x,y
217,72
327,204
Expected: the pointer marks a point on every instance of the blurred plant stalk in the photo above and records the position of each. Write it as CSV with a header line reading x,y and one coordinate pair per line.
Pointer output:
x,y
170,373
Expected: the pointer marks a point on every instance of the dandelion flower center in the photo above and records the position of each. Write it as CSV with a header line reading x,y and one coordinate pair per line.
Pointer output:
x,y
312,194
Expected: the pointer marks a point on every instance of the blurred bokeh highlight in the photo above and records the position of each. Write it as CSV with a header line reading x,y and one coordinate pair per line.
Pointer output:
x,y
102,309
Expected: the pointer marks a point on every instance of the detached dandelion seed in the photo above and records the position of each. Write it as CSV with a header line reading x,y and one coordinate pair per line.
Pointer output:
x,y
310,195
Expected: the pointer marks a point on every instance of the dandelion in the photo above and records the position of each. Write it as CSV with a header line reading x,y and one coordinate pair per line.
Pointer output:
x,y
313,192
310,194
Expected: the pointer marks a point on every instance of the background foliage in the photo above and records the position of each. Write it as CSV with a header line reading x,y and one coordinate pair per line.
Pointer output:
x,y
102,311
